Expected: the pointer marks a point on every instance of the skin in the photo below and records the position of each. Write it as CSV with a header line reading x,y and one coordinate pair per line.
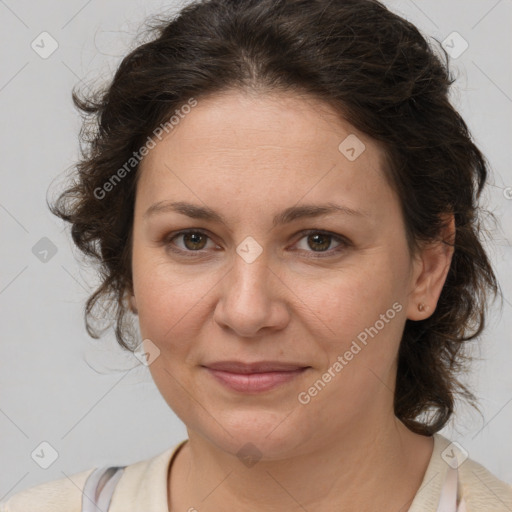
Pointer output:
x,y
248,157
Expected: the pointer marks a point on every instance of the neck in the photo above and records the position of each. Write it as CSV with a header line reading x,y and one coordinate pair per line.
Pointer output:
x,y
354,472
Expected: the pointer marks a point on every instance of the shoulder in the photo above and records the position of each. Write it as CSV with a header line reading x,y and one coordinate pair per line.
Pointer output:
x,y
480,488
66,494
62,495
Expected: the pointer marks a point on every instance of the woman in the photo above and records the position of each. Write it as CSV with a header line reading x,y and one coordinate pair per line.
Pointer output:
x,y
282,197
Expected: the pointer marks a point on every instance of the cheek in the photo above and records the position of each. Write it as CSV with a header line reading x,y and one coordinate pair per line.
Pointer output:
x,y
347,300
363,304
168,297
169,309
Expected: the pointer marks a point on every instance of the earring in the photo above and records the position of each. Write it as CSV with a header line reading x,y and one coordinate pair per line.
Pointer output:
x,y
421,306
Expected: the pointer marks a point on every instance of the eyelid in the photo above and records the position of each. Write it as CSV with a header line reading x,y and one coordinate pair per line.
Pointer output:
x,y
167,240
343,241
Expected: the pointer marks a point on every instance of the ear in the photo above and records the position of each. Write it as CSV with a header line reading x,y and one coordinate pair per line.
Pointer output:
x,y
430,270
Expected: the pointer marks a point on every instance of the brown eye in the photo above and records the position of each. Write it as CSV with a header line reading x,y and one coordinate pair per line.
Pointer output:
x,y
194,241
191,241
321,243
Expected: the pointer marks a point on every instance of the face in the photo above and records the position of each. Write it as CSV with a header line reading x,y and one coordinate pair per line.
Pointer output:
x,y
277,293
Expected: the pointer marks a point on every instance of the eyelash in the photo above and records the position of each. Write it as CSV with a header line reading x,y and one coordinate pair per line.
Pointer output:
x,y
344,243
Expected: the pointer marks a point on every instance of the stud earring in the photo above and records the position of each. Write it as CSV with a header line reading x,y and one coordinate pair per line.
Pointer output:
x,y
421,306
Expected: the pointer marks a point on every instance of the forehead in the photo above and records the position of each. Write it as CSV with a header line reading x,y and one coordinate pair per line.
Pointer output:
x,y
252,145
223,121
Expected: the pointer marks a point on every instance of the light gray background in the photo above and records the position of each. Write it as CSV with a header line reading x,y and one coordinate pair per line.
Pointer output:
x,y
57,385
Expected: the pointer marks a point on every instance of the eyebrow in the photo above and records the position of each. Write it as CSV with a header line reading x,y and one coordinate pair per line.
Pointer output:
x,y
288,215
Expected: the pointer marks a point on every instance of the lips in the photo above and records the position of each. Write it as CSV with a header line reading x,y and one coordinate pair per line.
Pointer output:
x,y
257,367
254,377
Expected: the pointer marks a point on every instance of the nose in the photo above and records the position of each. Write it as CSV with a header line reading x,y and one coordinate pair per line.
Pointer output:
x,y
253,299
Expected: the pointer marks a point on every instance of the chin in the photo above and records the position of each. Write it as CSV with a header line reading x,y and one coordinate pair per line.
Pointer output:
x,y
256,434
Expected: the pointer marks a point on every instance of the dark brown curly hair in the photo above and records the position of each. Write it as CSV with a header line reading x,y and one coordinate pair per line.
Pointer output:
x,y
371,66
